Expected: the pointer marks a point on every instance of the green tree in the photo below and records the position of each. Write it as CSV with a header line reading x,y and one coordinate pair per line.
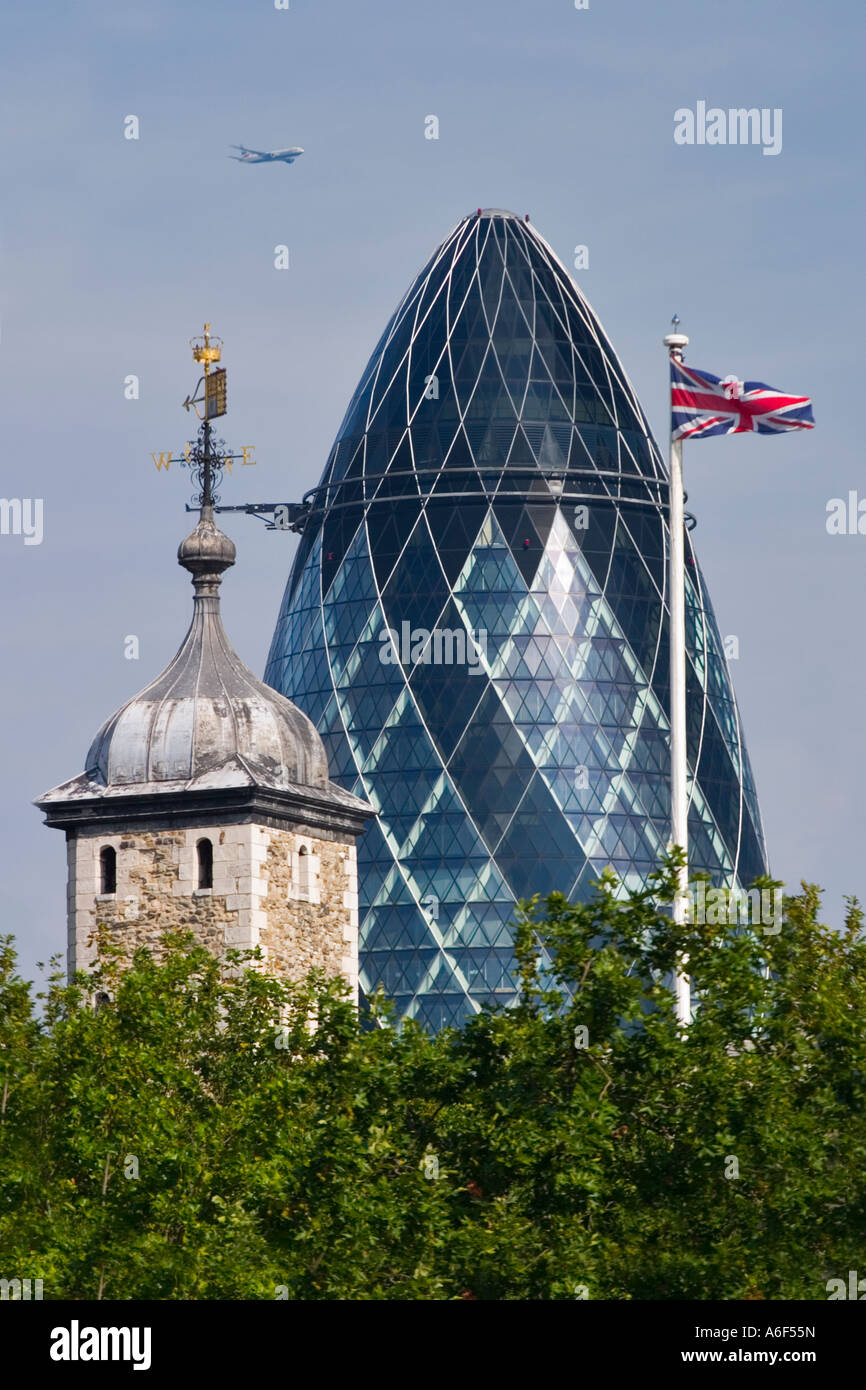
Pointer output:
x,y
215,1133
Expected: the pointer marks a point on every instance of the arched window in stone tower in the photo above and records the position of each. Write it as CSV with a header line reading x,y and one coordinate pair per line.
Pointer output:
x,y
107,870
303,872
204,856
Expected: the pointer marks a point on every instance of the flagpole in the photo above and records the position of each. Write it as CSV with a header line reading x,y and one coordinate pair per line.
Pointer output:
x,y
675,342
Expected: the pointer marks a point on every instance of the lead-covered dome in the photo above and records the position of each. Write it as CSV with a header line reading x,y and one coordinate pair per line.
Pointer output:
x,y
207,713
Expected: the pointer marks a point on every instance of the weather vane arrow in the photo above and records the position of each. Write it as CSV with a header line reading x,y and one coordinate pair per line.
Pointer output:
x,y
205,457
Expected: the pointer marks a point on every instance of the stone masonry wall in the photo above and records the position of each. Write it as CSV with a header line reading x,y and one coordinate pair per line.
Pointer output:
x,y
317,926
301,915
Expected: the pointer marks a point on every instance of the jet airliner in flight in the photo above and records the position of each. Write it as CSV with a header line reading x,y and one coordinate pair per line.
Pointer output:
x,y
266,156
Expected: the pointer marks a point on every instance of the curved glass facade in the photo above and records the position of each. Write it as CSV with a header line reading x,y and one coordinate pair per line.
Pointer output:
x,y
476,621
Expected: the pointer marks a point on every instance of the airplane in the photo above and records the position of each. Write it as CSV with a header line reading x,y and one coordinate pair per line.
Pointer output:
x,y
266,156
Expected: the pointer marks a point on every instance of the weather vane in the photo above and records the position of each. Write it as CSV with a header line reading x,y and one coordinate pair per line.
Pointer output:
x,y
206,457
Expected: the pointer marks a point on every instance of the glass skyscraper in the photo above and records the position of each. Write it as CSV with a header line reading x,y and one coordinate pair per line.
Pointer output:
x,y
476,620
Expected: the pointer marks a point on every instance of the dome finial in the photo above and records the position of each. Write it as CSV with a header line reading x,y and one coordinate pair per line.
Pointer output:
x,y
206,553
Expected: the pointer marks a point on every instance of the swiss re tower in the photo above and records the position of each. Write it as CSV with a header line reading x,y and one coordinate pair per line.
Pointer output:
x,y
476,621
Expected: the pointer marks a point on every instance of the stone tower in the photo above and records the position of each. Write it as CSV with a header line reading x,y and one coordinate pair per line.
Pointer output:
x,y
205,805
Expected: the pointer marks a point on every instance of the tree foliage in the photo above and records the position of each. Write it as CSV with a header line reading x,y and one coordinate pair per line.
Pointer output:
x,y
212,1134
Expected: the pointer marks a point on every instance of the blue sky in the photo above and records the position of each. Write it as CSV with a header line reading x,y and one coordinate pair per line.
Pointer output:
x,y
113,252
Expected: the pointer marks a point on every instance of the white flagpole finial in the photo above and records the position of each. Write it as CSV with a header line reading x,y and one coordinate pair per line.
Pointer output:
x,y
675,341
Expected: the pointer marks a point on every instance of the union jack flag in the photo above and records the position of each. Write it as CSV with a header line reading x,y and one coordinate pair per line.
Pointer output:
x,y
703,405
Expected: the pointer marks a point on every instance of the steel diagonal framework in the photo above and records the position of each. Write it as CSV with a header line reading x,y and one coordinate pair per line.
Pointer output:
x,y
459,508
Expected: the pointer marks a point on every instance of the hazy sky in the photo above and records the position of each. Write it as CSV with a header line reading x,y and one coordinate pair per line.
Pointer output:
x,y
114,251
